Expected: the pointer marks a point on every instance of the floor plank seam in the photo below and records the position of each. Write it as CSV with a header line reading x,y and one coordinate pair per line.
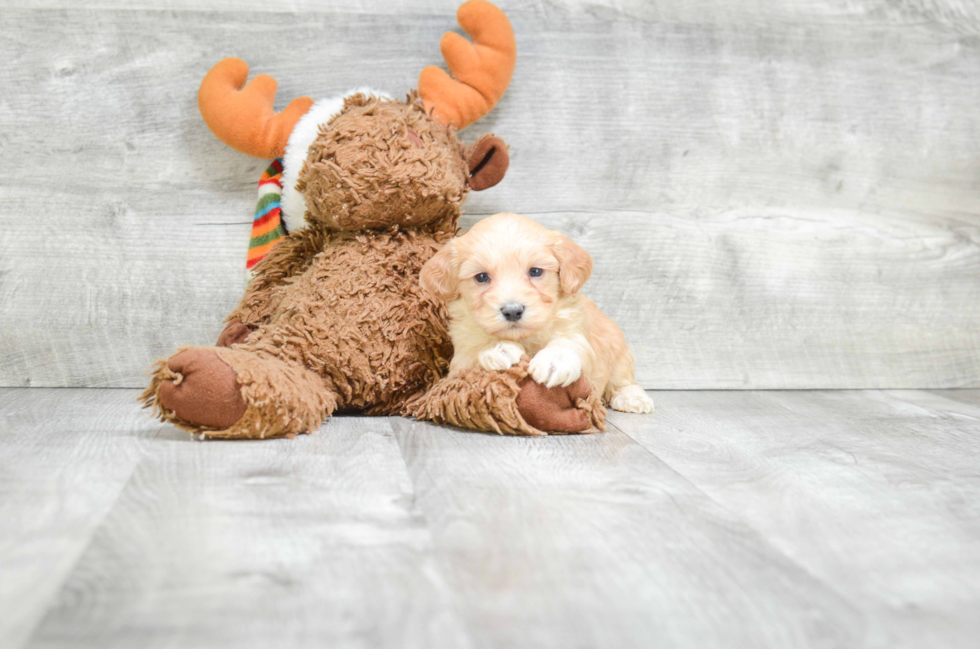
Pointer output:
x,y
899,423
439,563
939,414
764,539
84,548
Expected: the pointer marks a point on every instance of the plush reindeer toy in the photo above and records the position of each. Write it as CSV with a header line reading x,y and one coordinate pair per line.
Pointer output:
x,y
335,318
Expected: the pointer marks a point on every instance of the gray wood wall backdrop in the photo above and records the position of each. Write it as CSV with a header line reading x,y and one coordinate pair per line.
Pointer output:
x,y
778,194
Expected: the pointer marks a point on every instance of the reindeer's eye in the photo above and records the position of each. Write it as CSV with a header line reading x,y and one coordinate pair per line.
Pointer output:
x,y
535,272
482,278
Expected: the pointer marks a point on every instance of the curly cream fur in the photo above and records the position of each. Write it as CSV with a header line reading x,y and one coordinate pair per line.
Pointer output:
x,y
565,333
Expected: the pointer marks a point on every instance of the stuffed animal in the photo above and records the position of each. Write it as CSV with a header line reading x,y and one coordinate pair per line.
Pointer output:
x,y
364,190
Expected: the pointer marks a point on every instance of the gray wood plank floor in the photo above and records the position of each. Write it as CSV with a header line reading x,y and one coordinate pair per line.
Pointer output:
x,y
727,519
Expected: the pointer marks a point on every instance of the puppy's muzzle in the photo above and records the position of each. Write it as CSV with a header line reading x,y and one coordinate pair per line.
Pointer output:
x,y
512,311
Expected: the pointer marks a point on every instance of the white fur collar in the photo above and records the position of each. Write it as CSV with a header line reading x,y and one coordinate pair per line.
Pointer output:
x,y
293,203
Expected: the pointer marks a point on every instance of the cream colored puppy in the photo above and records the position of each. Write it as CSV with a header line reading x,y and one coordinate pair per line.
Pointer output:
x,y
512,288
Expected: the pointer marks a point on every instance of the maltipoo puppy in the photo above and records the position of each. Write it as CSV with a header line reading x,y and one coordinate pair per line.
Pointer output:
x,y
513,289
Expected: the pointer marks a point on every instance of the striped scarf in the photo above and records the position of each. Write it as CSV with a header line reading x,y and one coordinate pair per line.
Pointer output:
x,y
267,228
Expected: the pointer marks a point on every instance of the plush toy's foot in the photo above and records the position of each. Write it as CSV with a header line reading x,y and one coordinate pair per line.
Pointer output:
x,y
509,402
204,390
236,332
235,393
556,409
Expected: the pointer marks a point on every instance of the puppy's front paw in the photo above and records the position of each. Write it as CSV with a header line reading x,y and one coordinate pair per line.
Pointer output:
x,y
631,398
500,356
555,366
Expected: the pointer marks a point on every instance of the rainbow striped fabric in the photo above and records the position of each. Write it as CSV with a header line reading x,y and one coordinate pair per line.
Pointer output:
x,y
267,228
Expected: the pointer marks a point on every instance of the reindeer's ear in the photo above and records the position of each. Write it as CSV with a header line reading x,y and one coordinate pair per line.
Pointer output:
x,y
488,160
439,275
574,264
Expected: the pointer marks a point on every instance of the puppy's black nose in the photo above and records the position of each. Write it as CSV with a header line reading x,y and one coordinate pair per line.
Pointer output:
x,y
512,311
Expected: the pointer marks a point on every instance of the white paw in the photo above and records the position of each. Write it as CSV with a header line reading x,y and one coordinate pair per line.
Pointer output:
x,y
500,356
632,398
555,366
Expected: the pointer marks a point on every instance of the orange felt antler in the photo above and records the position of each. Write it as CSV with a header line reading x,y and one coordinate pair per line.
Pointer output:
x,y
480,70
244,117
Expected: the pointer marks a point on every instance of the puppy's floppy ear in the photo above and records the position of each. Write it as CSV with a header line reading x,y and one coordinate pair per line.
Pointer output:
x,y
439,274
574,264
487,160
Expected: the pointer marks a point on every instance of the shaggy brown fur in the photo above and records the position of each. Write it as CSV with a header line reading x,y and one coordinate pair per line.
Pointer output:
x,y
335,318
366,170
358,319
281,400
509,403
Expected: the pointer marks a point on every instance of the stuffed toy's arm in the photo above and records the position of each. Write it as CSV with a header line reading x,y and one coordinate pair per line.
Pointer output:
x,y
291,256
509,402
273,257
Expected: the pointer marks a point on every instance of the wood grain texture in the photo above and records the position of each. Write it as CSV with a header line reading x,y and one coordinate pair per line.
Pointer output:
x,y
971,397
311,542
729,519
65,456
588,541
958,15
776,194
872,492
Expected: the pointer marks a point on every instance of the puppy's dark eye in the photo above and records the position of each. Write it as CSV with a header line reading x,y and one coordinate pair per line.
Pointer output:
x,y
535,272
482,278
